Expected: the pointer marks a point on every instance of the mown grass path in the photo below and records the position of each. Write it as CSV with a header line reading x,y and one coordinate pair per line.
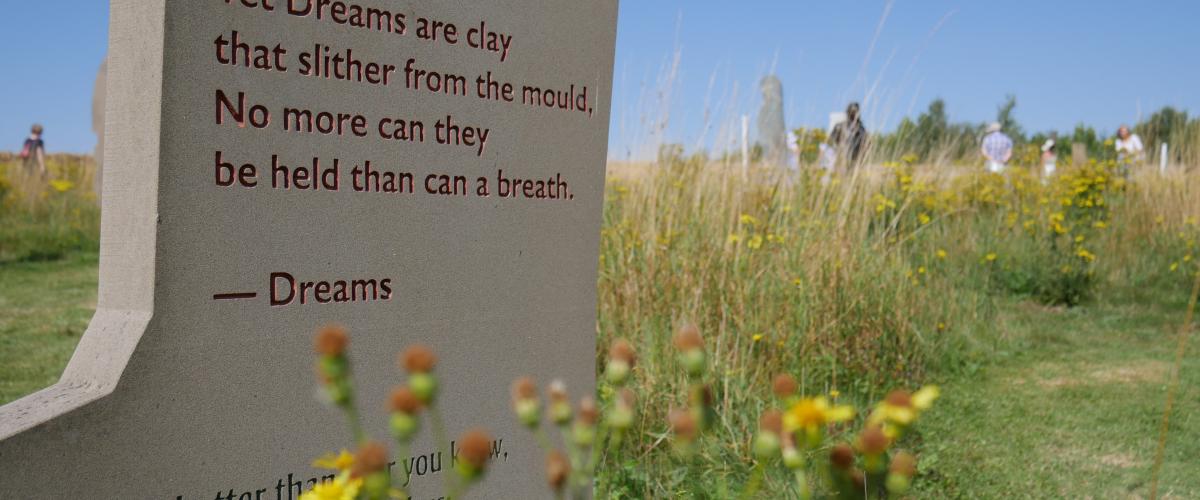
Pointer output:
x,y
1074,411
44,309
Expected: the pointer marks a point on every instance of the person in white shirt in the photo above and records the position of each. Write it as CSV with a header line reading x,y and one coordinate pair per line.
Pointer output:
x,y
1049,158
1129,149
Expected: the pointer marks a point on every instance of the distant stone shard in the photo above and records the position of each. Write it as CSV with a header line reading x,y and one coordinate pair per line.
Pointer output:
x,y
98,125
772,131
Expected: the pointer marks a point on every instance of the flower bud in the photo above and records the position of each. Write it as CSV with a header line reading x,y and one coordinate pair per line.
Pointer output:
x,y
616,372
792,458
583,433
784,386
558,469
475,448
418,359
842,457
904,466
560,406
620,417
525,402
766,445
404,400
371,457
621,360
688,338
693,361
683,424
404,426
424,386
873,441
331,341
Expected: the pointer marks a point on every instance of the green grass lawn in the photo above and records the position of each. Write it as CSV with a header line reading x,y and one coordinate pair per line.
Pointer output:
x,y
44,309
1073,410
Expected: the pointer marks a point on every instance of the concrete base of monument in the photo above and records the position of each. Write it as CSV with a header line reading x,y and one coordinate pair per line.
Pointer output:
x,y
92,374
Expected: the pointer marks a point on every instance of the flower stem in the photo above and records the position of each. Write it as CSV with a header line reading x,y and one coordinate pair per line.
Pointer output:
x,y
439,436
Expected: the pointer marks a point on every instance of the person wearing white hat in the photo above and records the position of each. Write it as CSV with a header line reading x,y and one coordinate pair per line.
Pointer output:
x,y
997,148
1049,157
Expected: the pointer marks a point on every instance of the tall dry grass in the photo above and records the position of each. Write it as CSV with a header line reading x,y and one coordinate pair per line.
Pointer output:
x,y
854,283
44,217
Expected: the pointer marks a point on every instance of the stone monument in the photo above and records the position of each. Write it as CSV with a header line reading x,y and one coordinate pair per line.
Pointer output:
x,y
772,131
98,95
419,172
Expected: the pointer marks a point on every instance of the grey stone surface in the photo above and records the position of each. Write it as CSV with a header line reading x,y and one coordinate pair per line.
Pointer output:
x,y
772,132
175,394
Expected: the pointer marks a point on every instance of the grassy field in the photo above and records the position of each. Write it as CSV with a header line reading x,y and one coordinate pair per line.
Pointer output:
x,y
1046,311
44,309
1072,409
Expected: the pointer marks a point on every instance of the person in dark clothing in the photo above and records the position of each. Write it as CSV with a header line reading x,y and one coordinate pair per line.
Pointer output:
x,y
849,137
33,153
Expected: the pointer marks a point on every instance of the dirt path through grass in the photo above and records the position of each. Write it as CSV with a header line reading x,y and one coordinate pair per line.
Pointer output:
x,y
1074,412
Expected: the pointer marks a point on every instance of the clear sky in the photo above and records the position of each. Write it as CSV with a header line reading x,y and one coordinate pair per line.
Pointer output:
x,y
687,69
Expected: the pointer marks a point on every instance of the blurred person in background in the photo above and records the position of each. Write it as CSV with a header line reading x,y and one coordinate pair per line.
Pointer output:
x,y
1049,157
849,137
33,153
997,148
1129,149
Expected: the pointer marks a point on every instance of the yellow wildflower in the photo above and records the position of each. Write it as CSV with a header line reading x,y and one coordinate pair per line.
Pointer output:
x,y
61,185
991,257
809,416
748,219
941,254
757,337
900,409
734,239
755,242
341,488
342,461
924,218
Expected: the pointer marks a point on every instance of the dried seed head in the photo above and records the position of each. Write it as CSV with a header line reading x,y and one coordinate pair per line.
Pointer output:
x,y
524,389
332,341
872,441
475,447
622,350
842,456
405,401
688,338
784,385
557,392
558,469
899,398
771,421
904,463
371,457
418,359
683,424
589,414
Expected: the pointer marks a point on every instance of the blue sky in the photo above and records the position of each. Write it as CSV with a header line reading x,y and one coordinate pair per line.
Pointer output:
x,y
687,69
